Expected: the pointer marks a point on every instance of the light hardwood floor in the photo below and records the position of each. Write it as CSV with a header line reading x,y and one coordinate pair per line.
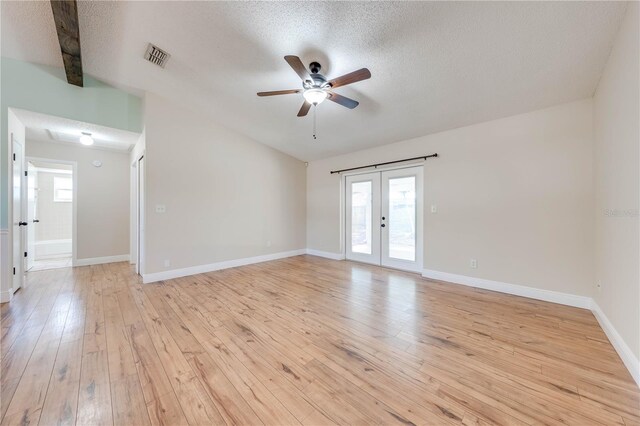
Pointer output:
x,y
302,340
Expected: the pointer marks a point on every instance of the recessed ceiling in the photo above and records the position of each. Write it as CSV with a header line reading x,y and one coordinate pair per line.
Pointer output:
x,y
47,128
435,65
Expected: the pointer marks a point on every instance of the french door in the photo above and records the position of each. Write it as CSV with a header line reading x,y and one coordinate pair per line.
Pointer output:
x,y
384,218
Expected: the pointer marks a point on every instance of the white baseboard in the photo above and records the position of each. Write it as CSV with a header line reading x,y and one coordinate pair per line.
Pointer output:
x,y
325,254
518,290
100,260
201,269
6,296
626,354
55,256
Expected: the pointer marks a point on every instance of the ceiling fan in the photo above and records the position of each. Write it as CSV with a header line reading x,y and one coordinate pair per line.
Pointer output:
x,y
316,88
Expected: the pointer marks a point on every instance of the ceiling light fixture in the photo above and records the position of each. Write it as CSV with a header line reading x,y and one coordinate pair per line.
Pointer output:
x,y
315,96
86,139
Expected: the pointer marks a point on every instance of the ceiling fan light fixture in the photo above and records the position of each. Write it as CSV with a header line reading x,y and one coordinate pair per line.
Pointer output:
x,y
86,139
315,96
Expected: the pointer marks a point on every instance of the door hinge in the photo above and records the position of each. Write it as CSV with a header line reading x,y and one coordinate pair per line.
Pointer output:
x,y
14,157
26,173
14,270
25,254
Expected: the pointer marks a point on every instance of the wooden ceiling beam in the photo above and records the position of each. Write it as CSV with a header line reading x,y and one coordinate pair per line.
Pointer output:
x,y
65,15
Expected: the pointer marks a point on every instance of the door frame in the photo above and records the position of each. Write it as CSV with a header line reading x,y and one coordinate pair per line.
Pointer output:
x,y
140,222
343,206
17,271
74,207
32,175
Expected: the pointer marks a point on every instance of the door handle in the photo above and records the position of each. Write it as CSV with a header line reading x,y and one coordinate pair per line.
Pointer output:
x,y
383,225
36,220
22,223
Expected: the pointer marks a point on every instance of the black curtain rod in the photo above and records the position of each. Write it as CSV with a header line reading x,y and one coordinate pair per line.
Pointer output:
x,y
424,157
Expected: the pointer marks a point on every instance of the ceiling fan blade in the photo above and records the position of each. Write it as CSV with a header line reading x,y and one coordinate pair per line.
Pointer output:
x,y
297,66
343,100
352,77
279,92
304,109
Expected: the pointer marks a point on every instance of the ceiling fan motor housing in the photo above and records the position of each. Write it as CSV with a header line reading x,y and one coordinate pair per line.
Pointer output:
x,y
315,67
315,81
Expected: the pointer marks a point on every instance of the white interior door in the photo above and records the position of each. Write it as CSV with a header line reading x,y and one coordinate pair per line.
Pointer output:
x,y
32,213
402,219
363,218
384,216
19,222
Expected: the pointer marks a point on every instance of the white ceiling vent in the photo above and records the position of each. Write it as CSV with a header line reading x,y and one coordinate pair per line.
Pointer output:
x,y
157,56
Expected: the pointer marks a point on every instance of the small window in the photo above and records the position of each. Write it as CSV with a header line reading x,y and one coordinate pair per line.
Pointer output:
x,y
62,189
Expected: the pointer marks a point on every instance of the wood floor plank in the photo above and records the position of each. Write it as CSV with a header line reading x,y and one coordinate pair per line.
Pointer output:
x,y
34,307
129,406
197,405
301,340
234,382
94,399
29,397
161,402
60,407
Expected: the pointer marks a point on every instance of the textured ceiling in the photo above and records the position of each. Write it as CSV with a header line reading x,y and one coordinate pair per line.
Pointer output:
x,y
435,65
47,128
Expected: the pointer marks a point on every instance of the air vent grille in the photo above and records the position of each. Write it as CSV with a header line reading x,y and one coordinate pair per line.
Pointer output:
x,y
157,56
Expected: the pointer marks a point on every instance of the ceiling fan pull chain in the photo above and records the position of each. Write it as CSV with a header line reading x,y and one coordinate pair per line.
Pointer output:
x,y
315,109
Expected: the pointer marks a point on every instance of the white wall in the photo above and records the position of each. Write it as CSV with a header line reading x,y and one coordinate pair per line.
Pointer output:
x,y
516,194
617,160
226,196
102,197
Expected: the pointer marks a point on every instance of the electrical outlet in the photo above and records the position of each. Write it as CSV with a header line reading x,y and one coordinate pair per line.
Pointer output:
x,y
599,286
161,208
473,263
167,263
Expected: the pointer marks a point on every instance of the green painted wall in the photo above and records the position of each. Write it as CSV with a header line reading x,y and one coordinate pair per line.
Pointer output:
x,y
45,90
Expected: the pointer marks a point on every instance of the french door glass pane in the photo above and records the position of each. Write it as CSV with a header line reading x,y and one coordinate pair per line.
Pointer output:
x,y
402,218
361,217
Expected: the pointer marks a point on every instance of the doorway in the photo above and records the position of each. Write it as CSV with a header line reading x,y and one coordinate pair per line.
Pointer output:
x,y
50,214
384,218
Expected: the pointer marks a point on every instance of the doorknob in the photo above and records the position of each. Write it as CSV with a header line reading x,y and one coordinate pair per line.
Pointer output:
x,y
36,220
383,225
22,223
